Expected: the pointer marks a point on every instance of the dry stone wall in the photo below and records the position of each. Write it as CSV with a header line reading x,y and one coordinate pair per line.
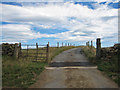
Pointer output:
x,y
108,53
8,49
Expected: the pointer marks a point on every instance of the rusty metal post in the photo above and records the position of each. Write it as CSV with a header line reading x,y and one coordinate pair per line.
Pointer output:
x,y
98,48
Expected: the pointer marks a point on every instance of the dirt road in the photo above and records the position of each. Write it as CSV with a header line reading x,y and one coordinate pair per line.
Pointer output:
x,y
71,69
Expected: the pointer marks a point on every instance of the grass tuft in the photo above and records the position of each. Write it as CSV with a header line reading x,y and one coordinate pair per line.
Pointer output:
x,y
90,53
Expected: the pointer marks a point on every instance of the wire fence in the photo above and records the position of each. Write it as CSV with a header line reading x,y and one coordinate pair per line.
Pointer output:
x,y
41,51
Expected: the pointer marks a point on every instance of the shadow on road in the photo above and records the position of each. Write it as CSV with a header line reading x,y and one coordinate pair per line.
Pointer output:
x,y
68,64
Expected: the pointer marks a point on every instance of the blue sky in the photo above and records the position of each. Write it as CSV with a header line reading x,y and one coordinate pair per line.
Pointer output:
x,y
68,22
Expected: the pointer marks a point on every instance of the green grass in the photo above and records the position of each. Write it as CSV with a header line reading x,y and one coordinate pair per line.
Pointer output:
x,y
110,68
20,73
23,72
90,53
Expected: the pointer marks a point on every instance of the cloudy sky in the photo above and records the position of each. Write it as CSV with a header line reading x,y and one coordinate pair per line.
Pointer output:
x,y
75,22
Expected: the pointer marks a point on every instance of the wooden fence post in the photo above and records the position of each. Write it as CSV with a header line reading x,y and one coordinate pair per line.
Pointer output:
x,y
19,52
16,51
98,48
27,50
36,51
62,44
20,46
68,44
37,46
48,52
58,44
88,43
65,44
91,43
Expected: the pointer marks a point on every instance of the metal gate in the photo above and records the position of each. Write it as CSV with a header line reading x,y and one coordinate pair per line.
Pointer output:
x,y
34,52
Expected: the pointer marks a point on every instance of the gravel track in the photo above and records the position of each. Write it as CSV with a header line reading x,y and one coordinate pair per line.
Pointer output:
x,y
71,69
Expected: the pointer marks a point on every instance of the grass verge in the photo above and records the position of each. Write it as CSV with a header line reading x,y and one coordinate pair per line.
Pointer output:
x,y
90,53
20,73
23,72
110,68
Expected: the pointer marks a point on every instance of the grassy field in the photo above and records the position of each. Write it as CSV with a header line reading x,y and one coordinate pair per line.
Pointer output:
x,y
108,67
23,72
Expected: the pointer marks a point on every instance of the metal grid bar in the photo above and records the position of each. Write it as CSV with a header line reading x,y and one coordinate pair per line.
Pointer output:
x,y
34,53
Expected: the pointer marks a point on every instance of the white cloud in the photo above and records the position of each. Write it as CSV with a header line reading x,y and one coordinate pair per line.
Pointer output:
x,y
87,24
18,33
61,0
28,14
106,1
44,26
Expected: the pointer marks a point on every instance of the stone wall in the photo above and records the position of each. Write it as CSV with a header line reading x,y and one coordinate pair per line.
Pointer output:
x,y
8,49
109,52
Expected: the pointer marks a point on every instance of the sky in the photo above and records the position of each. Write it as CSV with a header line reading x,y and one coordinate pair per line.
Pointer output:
x,y
67,21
